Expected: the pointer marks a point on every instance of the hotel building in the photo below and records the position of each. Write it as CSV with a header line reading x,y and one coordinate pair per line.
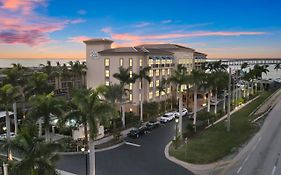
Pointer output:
x,y
103,61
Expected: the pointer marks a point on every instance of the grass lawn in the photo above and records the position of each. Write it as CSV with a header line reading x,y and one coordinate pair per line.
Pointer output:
x,y
215,143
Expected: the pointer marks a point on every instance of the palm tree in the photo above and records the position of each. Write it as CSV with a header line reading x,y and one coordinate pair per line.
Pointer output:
x,y
8,94
43,109
162,89
78,71
179,77
94,110
197,79
37,157
113,95
143,75
210,86
124,78
38,84
277,67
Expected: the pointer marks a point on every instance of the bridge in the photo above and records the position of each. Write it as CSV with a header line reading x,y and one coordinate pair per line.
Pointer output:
x,y
250,61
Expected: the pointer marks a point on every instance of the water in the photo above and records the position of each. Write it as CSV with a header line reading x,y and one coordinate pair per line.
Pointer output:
x,y
272,74
32,62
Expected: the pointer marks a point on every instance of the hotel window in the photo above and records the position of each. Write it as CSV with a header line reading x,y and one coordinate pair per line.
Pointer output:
x,y
151,84
162,93
140,62
131,109
131,74
151,73
107,83
157,83
158,61
150,96
163,61
121,60
131,97
106,62
150,62
130,62
131,86
168,90
163,72
157,72
168,71
107,73
157,93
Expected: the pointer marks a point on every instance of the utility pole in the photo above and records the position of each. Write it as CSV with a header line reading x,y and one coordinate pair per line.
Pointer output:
x,y
228,101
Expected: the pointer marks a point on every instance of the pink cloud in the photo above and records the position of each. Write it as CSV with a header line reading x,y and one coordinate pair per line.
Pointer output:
x,y
25,26
78,39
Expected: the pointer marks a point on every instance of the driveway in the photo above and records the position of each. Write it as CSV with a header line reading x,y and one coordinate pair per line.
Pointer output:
x,y
147,159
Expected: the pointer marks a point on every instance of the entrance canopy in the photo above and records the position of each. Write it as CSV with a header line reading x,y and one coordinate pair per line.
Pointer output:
x,y
3,114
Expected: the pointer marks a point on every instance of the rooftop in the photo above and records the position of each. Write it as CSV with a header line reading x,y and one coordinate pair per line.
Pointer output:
x,y
96,40
137,50
165,46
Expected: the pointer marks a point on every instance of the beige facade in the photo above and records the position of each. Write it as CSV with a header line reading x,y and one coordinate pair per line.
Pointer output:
x,y
103,61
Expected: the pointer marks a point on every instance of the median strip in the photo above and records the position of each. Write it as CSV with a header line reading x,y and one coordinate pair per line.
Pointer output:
x,y
132,144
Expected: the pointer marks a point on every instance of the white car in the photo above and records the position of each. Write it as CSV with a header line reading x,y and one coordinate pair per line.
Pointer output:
x,y
167,117
4,136
184,112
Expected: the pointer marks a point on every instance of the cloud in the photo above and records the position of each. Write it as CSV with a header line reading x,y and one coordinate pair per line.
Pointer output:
x,y
167,21
78,39
25,26
82,12
129,37
142,24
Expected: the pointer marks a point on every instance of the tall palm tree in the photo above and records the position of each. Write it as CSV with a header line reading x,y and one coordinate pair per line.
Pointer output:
x,y
209,85
78,71
197,79
143,76
37,157
124,78
162,88
8,94
43,109
94,110
277,67
113,95
179,77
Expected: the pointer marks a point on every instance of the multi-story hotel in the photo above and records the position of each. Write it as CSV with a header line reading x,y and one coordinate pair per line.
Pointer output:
x,y
103,61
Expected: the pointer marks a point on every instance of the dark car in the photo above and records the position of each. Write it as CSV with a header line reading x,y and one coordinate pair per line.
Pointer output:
x,y
137,132
152,124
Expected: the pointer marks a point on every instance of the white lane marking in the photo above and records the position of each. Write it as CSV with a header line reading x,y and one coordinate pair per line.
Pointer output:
x,y
247,158
132,144
273,170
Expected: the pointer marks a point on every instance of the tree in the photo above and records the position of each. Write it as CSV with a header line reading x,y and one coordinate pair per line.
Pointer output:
x,y
125,78
143,75
43,109
38,84
78,71
277,67
162,89
37,157
8,94
94,110
179,77
113,95
197,79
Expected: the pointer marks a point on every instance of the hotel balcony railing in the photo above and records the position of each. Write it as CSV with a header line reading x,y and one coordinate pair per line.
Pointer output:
x,y
162,65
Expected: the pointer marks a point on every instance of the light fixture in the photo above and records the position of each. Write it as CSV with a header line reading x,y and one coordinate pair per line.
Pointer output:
x,y
177,120
82,149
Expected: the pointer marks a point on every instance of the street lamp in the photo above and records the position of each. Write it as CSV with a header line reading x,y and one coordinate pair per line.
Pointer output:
x,y
177,121
86,158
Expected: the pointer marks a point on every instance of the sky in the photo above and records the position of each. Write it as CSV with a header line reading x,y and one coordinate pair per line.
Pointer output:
x,y
221,28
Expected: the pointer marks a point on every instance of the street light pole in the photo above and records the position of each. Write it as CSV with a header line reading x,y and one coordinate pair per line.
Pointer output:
x,y
228,100
86,159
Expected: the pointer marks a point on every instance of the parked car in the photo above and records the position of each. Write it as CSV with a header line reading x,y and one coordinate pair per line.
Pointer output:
x,y
167,117
152,124
4,136
137,132
184,112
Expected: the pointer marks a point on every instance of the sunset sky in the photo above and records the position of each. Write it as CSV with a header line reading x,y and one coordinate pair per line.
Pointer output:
x,y
221,28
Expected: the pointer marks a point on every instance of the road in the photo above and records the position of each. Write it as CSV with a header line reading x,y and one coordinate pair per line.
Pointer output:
x,y
263,158
146,159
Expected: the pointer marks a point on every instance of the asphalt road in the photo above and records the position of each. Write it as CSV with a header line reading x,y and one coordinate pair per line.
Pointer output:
x,y
263,158
147,159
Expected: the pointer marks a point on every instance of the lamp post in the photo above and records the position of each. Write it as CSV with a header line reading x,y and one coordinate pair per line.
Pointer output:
x,y
177,122
86,158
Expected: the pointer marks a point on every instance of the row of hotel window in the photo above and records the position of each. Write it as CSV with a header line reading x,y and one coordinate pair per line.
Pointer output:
x,y
150,62
157,73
